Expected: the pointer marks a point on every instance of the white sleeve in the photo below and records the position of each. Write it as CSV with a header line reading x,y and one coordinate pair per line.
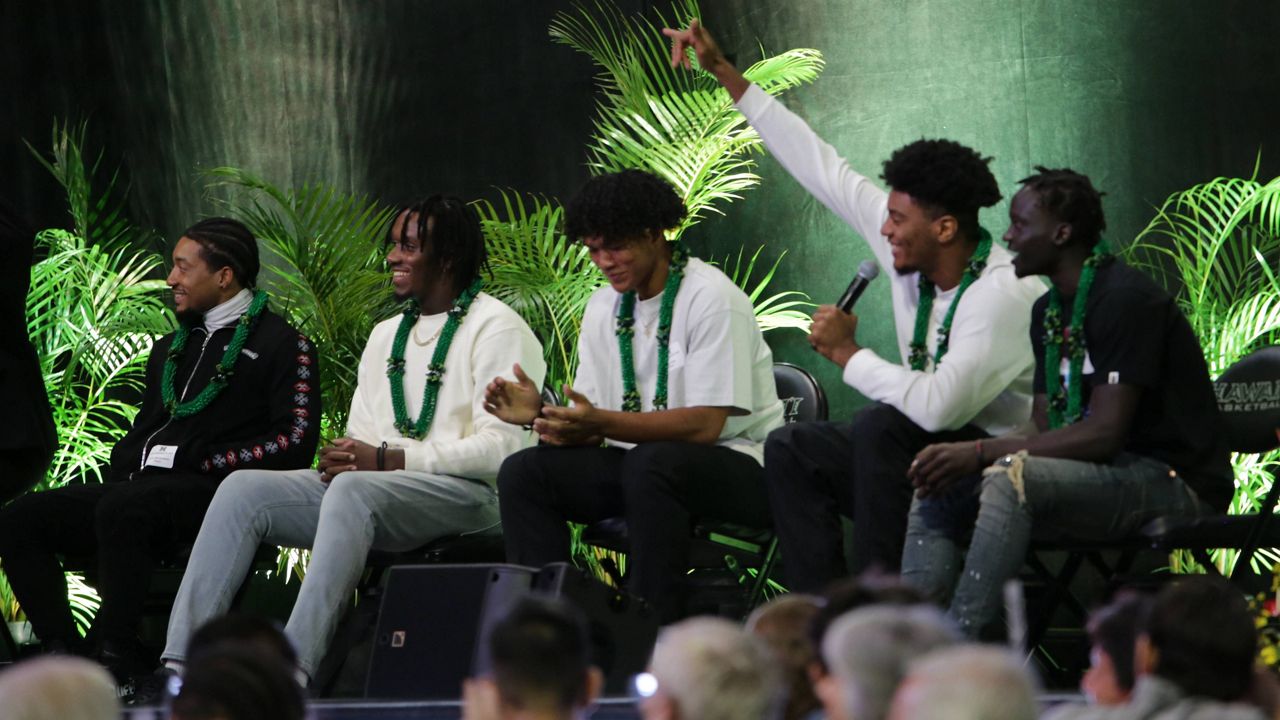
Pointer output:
x,y
585,381
988,350
360,424
481,452
718,361
819,169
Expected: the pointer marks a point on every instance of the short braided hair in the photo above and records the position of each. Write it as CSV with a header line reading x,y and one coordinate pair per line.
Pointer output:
x,y
225,242
1070,197
946,178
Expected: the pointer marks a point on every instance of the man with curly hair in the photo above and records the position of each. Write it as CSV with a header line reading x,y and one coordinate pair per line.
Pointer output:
x,y
673,399
961,318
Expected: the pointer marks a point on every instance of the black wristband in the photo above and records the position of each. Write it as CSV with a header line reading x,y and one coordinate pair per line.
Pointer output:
x,y
382,456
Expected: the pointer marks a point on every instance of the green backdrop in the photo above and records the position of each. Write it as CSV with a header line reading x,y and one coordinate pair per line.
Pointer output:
x,y
402,97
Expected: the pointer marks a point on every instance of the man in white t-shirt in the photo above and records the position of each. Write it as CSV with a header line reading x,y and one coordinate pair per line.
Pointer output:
x,y
420,455
965,369
673,399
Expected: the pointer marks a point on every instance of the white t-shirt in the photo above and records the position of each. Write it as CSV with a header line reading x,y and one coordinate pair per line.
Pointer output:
x,y
985,377
716,358
464,440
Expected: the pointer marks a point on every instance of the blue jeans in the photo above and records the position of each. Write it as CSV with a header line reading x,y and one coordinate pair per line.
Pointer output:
x,y
340,521
1060,499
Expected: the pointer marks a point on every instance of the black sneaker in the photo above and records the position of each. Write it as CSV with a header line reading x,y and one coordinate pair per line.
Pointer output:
x,y
148,690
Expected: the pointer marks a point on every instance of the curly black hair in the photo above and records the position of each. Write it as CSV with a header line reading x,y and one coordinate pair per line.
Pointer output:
x,y
946,178
623,205
1071,198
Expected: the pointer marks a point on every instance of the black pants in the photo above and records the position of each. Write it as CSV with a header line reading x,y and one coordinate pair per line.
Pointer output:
x,y
659,487
126,525
818,471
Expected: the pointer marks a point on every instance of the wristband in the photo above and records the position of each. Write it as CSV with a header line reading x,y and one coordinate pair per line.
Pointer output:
x,y
977,448
382,456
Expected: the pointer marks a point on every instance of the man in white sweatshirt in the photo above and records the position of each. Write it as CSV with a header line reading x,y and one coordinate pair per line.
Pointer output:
x,y
961,318
420,456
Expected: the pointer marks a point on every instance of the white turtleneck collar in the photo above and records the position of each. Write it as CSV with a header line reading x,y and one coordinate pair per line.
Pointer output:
x,y
227,313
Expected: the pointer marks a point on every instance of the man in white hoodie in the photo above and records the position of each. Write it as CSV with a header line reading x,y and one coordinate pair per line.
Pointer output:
x,y
420,455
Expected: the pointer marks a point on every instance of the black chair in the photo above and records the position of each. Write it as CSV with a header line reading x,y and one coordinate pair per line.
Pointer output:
x,y
1249,402
720,546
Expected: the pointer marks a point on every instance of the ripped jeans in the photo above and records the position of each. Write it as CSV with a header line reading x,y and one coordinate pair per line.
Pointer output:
x,y
1057,499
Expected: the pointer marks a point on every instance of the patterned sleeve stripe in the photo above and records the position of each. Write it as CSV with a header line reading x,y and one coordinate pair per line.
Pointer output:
x,y
302,387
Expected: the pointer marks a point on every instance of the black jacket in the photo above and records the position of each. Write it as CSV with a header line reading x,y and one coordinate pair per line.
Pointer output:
x,y
267,417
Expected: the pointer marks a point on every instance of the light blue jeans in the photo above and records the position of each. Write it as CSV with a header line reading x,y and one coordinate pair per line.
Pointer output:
x,y
340,522
1063,499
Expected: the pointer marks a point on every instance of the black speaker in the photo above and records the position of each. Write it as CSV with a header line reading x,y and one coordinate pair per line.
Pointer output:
x,y
623,628
433,627
434,624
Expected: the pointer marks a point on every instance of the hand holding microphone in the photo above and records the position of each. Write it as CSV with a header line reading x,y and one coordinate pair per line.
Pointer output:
x,y
834,329
867,272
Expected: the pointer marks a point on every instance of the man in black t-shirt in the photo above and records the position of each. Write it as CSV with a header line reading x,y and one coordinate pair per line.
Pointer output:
x,y
1126,412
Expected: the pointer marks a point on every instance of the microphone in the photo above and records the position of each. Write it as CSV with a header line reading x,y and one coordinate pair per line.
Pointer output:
x,y
867,272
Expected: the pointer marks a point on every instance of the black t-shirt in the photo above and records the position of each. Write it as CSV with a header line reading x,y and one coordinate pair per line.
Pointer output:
x,y
1136,335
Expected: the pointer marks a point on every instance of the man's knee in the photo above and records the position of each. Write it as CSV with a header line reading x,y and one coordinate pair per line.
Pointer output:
x,y
1003,489
652,465
880,420
784,443
518,473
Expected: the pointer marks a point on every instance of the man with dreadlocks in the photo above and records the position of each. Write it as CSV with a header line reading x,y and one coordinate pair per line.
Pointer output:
x,y
961,318
673,399
420,454
1127,416
234,387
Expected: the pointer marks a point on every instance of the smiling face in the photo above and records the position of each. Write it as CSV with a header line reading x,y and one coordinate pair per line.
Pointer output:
x,y
632,264
197,288
912,234
413,272
1033,236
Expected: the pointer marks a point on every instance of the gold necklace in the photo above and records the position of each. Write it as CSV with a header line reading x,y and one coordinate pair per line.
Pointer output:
x,y
428,341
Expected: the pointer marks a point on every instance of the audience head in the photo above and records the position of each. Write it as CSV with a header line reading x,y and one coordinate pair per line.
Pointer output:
x,y
868,651
231,681
1200,636
967,682
711,669
58,688
937,188
1112,631
541,658
265,636
783,623
435,240
866,589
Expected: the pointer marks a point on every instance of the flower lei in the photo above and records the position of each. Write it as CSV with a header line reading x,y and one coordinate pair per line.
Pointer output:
x,y
222,372
625,329
1065,407
435,370
919,351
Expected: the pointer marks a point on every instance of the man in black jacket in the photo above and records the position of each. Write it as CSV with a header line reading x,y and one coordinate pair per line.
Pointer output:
x,y
233,387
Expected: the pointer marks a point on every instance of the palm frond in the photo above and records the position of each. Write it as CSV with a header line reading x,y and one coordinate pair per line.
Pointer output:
x,y
328,278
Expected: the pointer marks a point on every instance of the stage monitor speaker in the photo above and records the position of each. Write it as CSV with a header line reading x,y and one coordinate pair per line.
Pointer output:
x,y
622,627
434,624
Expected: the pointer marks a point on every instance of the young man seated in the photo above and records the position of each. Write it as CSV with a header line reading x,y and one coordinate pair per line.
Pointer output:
x,y
233,387
673,398
420,455
1127,417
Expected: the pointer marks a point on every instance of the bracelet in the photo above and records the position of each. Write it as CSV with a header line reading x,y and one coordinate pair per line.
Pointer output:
x,y
382,456
977,447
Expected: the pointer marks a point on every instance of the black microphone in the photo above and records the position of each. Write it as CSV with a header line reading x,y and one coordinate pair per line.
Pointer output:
x,y
867,272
